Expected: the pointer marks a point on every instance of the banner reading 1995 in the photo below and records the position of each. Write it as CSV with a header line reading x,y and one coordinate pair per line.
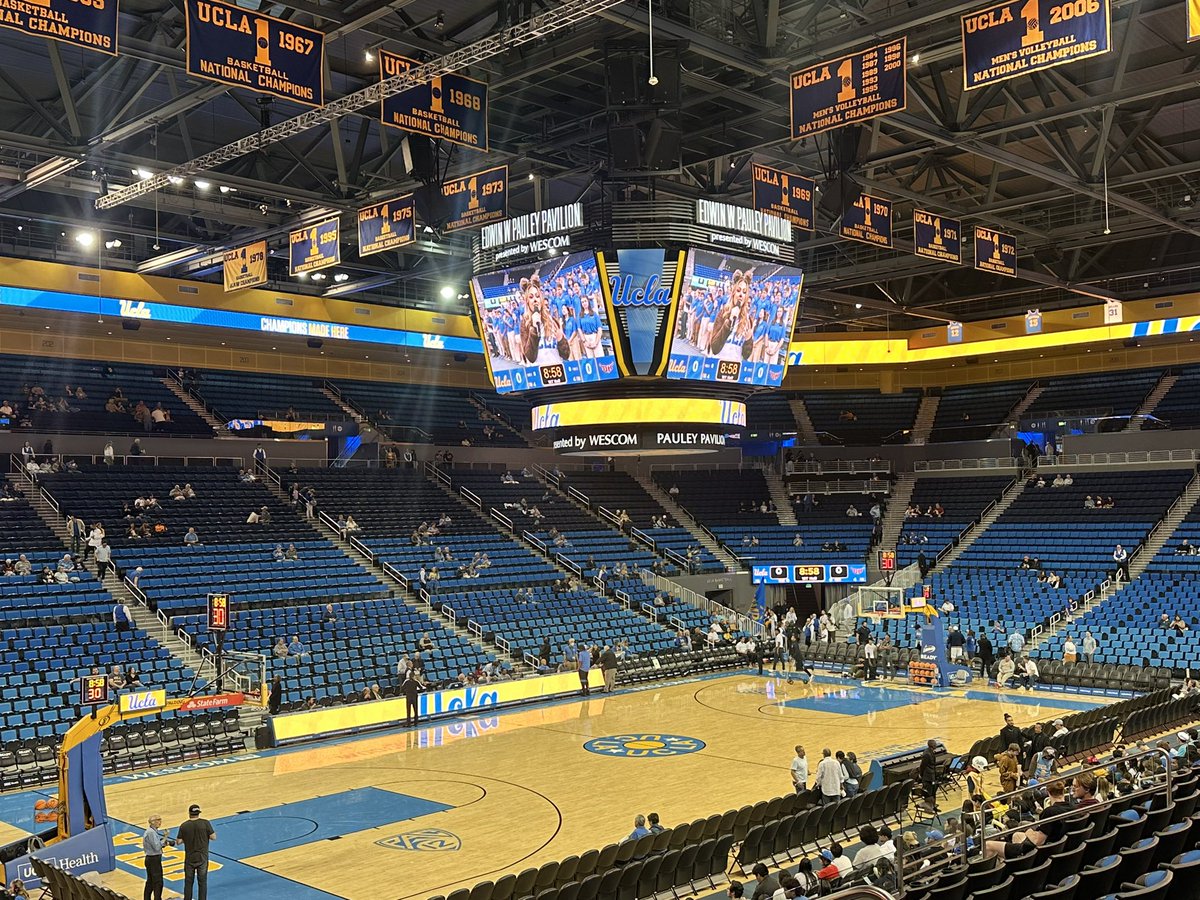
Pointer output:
x,y
869,220
247,49
246,267
1021,36
92,25
872,82
937,237
995,251
477,199
315,247
386,225
785,195
451,107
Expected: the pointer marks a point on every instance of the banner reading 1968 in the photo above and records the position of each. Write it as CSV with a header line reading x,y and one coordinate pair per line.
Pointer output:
x,y
872,82
1021,36
315,247
995,251
937,237
451,107
785,195
246,267
386,226
247,49
91,25
869,220
477,199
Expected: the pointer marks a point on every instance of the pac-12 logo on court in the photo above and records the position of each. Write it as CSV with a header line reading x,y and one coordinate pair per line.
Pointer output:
x,y
639,746
428,839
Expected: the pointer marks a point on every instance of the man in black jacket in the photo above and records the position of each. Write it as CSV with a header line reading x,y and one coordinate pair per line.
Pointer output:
x,y
928,773
986,657
1011,734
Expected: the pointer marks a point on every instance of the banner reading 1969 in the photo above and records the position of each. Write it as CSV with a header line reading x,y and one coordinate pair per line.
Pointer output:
x,y
937,237
477,199
246,267
386,225
247,49
451,107
315,247
869,220
1021,36
91,25
995,251
785,195
872,82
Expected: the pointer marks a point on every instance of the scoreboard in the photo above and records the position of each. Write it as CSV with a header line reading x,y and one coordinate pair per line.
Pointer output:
x,y
810,573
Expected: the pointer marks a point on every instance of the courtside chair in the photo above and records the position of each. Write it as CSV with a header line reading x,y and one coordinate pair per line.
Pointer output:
x,y
1149,886
1064,890
1001,891
1136,859
1098,878
503,889
1171,841
1186,869
1064,864
1098,847
1026,881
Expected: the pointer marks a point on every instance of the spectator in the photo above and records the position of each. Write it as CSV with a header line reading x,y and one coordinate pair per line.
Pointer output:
x,y
1010,768
295,647
1185,548
836,865
829,777
1006,671
291,553
654,824
639,828
280,650
277,553
122,618
1028,673
103,559
870,850
765,885
191,539
1044,831
1070,653
800,770
1016,642
1089,647
1121,558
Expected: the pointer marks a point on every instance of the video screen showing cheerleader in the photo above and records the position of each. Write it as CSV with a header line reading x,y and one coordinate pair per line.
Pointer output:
x,y
545,324
734,320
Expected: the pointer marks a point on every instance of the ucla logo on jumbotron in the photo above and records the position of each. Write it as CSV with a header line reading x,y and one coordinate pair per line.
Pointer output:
x,y
431,840
644,746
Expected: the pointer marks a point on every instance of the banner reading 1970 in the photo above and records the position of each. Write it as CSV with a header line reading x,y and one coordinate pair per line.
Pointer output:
x,y
387,225
92,25
872,82
785,195
247,49
450,107
1021,36
477,199
869,220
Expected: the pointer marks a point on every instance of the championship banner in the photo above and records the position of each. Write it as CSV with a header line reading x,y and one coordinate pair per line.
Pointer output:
x,y
450,107
785,195
315,247
386,225
872,82
89,25
246,267
995,251
869,220
476,199
247,49
954,332
1022,36
1193,13
937,237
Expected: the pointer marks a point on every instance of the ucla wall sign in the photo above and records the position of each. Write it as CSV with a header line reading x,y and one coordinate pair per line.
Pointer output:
x,y
428,840
644,746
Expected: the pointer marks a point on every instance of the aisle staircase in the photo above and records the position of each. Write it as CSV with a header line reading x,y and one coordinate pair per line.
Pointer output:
x,y
996,511
893,520
780,496
1014,414
523,430
1151,402
684,518
185,397
923,424
804,425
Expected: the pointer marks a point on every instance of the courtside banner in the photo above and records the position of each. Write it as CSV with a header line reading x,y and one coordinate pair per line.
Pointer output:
x,y
1021,36
869,220
785,195
247,49
246,267
92,25
995,251
450,107
937,237
475,200
315,247
386,225
872,82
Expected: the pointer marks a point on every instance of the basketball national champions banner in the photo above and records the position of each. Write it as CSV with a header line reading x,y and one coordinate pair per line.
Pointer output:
x,y
995,251
475,200
92,25
315,247
937,237
247,49
246,267
868,220
450,107
785,195
387,225
872,82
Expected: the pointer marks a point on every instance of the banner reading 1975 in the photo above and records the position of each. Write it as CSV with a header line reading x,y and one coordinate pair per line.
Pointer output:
x,y
872,82
869,220
1021,36
247,49
995,251
315,247
477,199
937,237
785,195
450,107
386,225
246,267
92,25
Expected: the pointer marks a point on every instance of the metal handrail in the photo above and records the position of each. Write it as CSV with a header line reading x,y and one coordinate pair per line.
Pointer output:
x,y
472,497
503,519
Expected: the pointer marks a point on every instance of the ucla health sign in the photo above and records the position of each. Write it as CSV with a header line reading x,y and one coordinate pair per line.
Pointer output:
x,y
451,107
315,247
92,25
937,237
475,200
386,226
785,195
872,82
868,220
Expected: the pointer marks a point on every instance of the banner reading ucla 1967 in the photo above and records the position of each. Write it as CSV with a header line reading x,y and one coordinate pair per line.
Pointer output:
x,y
1021,36
872,82
785,195
387,225
246,267
477,199
82,24
451,107
247,49
315,247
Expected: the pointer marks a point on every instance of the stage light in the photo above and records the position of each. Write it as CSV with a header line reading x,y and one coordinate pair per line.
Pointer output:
x,y
226,189
84,238
143,173
368,55
202,185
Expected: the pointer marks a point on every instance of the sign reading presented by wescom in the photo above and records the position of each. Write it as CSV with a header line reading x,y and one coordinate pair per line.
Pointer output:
x,y
937,236
872,82
475,200
451,107
247,49
246,267
1021,36
869,220
995,251
92,25
387,225
315,247
782,194
533,233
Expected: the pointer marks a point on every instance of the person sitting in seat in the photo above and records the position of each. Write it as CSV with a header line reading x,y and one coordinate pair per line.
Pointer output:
x,y
1043,832
1178,625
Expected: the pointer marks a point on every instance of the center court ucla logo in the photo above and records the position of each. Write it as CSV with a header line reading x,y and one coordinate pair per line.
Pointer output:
x,y
425,839
644,746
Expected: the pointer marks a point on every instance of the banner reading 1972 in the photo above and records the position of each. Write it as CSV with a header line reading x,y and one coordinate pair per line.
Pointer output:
x,y
872,82
1021,36
92,25
386,225
995,251
785,195
869,220
477,199
247,49
315,247
937,237
451,107
246,267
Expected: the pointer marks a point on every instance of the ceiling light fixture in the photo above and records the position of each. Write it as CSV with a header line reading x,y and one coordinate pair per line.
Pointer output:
x,y
202,185
84,238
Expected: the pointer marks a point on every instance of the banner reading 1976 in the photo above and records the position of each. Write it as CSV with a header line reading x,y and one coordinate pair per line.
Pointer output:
x,y
92,25
785,195
477,199
872,82
450,107
869,220
937,237
995,251
1021,36
386,225
315,247
247,49
246,267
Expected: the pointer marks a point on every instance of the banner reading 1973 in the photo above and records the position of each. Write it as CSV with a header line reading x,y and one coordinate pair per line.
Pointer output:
x,y
995,251
477,199
450,107
315,247
1021,36
869,220
92,25
246,267
937,237
247,49
386,225
872,82
785,195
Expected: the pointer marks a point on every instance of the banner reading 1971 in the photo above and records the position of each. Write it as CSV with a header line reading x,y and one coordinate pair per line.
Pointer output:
x,y
1021,36
937,237
246,267
785,195
90,25
995,251
872,82
386,225
450,107
247,49
477,199
315,247
869,220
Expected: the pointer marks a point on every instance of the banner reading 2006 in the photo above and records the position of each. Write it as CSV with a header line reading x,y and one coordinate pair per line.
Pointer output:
x,y
247,49
451,107
90,25
477,199
1021,36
